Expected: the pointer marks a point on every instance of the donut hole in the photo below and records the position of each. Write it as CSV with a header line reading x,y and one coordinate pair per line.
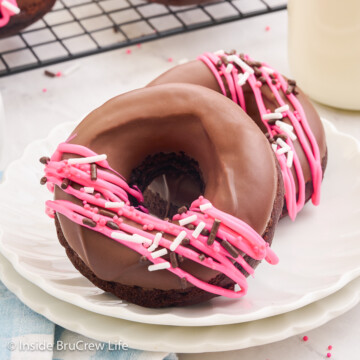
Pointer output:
x,y
168,181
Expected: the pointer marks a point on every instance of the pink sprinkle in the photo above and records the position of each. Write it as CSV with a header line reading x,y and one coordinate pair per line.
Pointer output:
x,y
59,73
96,217
267,28
328,355
120,212
97,195
258,84
170,59
82,189
145,227
305,338
44,90
102,222
128,51
87,206
150,227
84,202
329,347
96,210
138,45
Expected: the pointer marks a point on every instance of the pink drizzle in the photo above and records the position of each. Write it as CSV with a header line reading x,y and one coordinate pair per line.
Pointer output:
x,y
294,201
6,13
112,187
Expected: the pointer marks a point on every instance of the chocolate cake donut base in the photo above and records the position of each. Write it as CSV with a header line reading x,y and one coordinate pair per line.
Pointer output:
x,y
190,295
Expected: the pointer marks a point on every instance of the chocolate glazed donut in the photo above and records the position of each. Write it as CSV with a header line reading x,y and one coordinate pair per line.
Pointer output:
x,y
270,100
229,178
30,11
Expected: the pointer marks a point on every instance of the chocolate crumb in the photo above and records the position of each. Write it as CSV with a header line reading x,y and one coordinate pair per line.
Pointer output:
x,y
65,183
112,225
219,63
115,29
107,213
213,232
44,160
257,72
232,52
289,90
143,259
202,257
255,63
272,76
89,222
273,81
182,210
49,74
231,250
43,180
93,172
272,121
191,226
295,92
173,260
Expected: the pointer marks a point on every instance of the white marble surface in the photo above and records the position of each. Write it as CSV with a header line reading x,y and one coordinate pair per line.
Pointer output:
x,y
32,113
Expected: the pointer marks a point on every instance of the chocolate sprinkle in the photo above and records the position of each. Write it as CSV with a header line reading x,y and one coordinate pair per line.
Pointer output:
x,y
289,90
107,213
280,136
258,72
173,260
224,60
191,226
205,232
273,81
291,82
44,160
182,210
213,232
272,121
65,183
89,222
143,259
232,251
185,241
219,63
262,79
49,73
43,180
180,258
93,172
183,283
112,225
202,257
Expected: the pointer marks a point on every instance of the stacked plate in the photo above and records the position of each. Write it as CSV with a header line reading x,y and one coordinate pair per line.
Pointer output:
x,y
316,280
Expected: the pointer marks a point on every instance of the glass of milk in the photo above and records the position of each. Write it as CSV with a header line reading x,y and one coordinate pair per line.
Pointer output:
x,y
324,50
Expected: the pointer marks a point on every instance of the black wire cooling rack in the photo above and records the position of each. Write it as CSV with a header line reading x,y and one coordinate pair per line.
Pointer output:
x,y
77,28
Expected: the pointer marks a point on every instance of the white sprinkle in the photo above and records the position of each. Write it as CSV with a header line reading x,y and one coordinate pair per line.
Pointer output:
x,y
160,266
274,147
89,190
206,206
155,244
123,236
290,158
268,70
272,116
183,61
241,63
177,240
71,69
10,7
284,125
284,146
282,108
187,220
141,239
113,205
229,68
198,230
159,253
219,52
237,288
87,160
243,78
287,129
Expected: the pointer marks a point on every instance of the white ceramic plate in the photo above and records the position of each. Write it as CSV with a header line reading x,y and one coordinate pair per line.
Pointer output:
x,y
319,253
177,338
